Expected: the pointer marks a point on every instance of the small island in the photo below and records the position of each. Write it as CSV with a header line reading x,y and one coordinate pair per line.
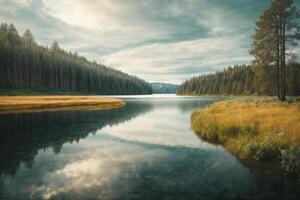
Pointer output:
x,y
13,104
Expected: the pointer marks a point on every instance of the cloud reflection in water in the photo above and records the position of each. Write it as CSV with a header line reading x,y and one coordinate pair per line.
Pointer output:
x,y
144,154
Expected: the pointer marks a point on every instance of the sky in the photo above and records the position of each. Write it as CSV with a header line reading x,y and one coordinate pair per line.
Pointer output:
x,y
157,40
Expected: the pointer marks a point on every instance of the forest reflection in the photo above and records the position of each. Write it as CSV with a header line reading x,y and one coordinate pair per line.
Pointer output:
x,y
24,134
145,150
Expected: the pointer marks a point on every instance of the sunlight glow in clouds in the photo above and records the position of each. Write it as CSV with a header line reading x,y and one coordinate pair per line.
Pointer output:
x,y
166,41
71,13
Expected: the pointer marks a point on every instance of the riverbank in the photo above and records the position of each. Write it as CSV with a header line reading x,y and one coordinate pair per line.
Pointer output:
x,y
13,104
257,129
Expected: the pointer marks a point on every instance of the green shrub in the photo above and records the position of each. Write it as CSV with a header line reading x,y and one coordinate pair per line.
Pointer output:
x,y
286,104
290,160
266,149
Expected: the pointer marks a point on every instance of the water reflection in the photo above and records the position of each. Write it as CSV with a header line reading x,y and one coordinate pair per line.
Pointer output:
x,y
145,150
184,104
23,134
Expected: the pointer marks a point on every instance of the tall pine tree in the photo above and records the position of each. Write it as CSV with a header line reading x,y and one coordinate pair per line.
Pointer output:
x,y
276,31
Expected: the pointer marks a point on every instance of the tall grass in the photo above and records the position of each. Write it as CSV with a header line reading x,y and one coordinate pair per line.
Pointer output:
x,y
260,129
10,104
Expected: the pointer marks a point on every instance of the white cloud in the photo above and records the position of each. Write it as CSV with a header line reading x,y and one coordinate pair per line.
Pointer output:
x,y
94,170
186,57
156,40
71,13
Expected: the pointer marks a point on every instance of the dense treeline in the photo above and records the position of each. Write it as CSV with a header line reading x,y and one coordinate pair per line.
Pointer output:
x,y
240,79
233,80
276,33
26,65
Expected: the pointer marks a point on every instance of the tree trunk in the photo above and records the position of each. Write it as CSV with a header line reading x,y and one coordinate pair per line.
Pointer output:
x,y
283,61
278,62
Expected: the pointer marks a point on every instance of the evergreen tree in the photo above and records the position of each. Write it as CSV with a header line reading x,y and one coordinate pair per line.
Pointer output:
x,y
276,28
28,38
237,80
26,65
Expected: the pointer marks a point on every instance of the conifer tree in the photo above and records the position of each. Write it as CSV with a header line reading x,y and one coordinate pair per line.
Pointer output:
x,y
276,28
26,65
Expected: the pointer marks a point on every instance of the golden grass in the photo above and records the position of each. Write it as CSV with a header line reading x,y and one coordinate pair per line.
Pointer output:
x,y
250,128
11,104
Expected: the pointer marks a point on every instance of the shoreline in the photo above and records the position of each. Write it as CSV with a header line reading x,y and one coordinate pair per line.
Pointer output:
x,y
21,104
260,130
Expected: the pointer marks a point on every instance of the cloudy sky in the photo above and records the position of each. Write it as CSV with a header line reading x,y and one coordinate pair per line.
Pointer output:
x,y
158,40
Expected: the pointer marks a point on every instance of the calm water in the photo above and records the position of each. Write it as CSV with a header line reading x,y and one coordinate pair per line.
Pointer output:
x,y
145,150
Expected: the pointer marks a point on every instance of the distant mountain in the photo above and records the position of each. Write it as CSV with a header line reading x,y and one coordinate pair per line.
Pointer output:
x,y
164,87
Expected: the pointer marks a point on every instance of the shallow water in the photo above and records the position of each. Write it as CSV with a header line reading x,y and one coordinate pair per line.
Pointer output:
x,y
145,150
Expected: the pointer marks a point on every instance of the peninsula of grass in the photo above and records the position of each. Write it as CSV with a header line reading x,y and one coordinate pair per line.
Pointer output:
x,y
13,104
257,129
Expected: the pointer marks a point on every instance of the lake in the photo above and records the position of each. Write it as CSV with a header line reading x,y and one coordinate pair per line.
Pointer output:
x,y
145,150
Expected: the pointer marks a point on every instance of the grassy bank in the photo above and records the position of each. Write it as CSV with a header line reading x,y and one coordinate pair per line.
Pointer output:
x,y
258,129
11,104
